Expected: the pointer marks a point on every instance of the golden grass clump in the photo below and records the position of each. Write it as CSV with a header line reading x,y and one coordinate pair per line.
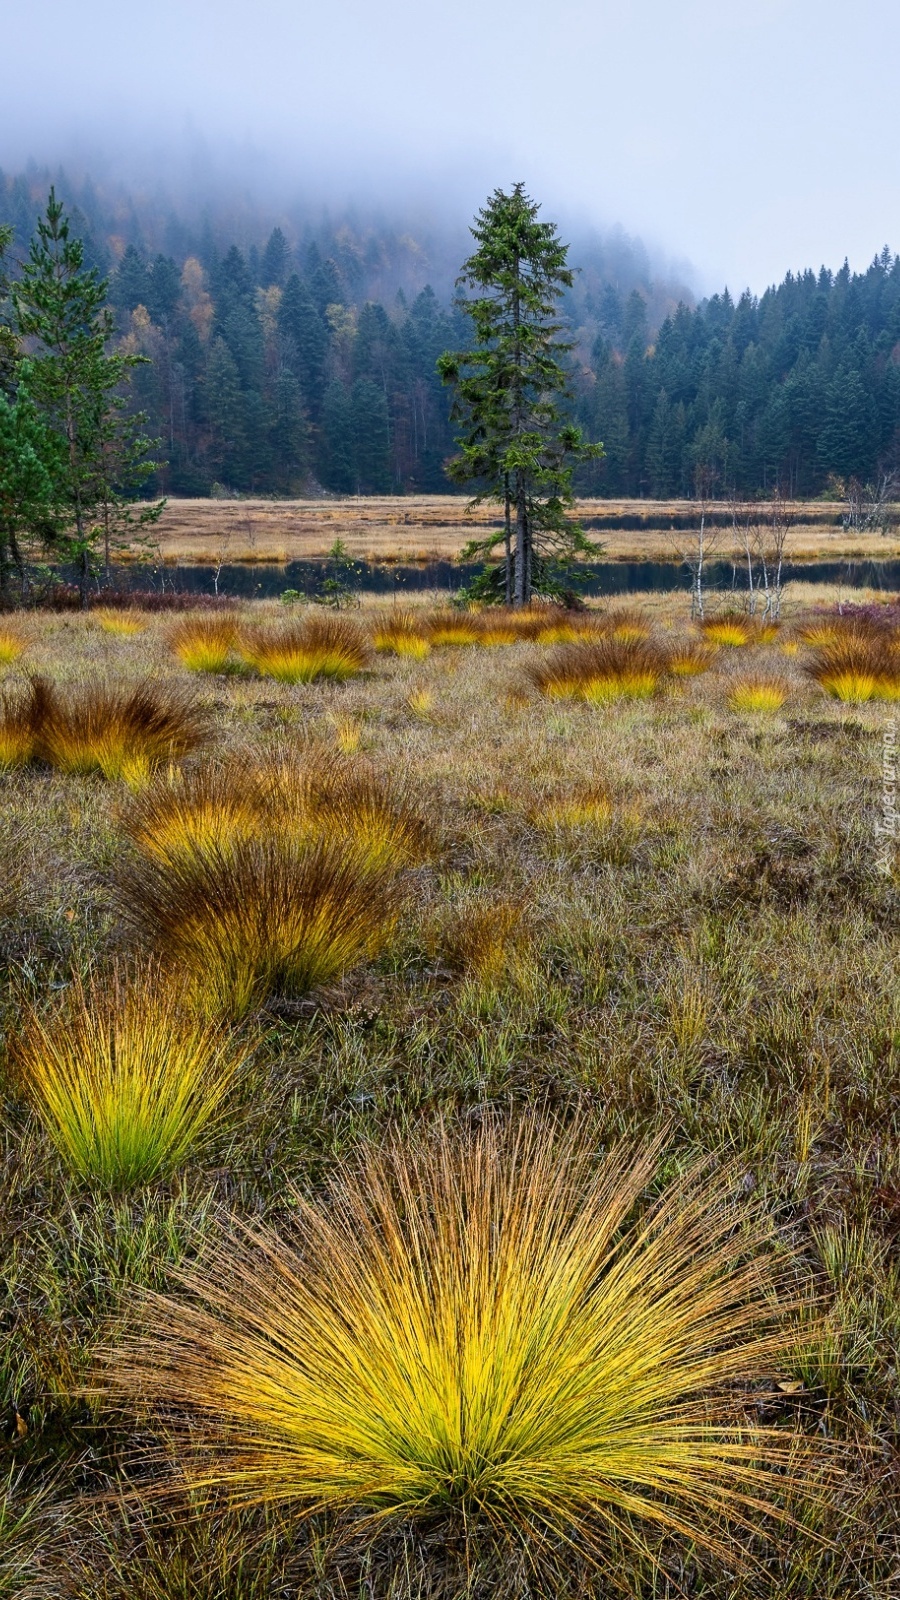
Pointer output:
x,y
17,728
126,1080
733,629
627,626
125,624
401,633
478,939
346,804
204,644
858,667
124,732
268,916
452,628
600,673
190,813
329,646
689,659
420,703
589,807
486,1328
759,694
12,644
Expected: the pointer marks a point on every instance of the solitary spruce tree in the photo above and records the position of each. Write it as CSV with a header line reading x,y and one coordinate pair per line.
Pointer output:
x,y
77,383
517,445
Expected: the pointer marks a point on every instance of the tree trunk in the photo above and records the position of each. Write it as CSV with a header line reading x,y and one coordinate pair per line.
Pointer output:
x,y
507,540
523,563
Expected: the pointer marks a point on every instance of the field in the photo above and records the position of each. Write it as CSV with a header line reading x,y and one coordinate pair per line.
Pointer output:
x,y
642,914
420,528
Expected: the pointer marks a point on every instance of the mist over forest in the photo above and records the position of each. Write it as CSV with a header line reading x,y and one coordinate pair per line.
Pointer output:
x,y
293,349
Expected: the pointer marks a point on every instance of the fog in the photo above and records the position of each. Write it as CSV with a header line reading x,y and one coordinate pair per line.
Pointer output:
x,y
746,140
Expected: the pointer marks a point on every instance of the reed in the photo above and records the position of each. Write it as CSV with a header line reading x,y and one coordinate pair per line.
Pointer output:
x,y
265,917
331,647
600,673
127,1081
205,643
484,1328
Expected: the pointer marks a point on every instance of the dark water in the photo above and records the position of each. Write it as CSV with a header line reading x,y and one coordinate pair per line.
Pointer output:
x,y
600,578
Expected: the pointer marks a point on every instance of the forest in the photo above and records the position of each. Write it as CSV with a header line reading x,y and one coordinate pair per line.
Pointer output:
x,y
288,360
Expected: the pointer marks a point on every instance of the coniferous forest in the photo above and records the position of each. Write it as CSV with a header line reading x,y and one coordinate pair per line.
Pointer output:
x,y
288,359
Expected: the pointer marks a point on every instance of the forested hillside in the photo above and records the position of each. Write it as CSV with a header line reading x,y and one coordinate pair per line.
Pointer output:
x,y
301,356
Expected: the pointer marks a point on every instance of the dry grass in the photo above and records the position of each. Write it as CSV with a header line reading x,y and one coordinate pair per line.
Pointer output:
x,y
690,658
480,938
125,1079
452,628
266,917
17,728
600,673
481,1328
331,647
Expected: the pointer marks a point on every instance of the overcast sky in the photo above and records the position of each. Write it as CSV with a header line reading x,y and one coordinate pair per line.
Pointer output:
x,y
747,136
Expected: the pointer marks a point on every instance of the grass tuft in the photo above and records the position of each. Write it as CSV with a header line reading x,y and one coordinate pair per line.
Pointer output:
x,y
484,1329
268,916
858,667
759,694
126,1081
318,647
479,939
452,628
17,728
12,644
602,672
123,623
401,633
204,644
689,659
120,731
583,808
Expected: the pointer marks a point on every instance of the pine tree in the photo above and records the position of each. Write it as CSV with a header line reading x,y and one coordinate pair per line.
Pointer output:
x,y
77,385
517,443
276,260
305,337
371,437
29,473
337,455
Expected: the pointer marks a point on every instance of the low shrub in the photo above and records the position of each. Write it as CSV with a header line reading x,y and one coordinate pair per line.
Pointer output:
x,y
488,1328
125,1079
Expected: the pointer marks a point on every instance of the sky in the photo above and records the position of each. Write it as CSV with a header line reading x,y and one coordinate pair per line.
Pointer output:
x,y
746,137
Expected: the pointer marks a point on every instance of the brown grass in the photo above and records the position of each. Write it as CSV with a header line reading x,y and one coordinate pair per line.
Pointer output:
x,y
318,647
600,673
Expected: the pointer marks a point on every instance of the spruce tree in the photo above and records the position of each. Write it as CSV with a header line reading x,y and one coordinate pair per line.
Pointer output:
x,y
77,384
517,443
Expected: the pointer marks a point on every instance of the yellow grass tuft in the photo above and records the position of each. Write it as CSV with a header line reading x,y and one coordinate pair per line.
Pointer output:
x,y
123,623
190,813
420,702
478,939
401,633
17,728
484,1328
688,660
629,627
346,805
318,647
583,808
600,673
858,667
269,916
126,1081
759,694
347,734
119,731
204,644
452,628
12,644
732,629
